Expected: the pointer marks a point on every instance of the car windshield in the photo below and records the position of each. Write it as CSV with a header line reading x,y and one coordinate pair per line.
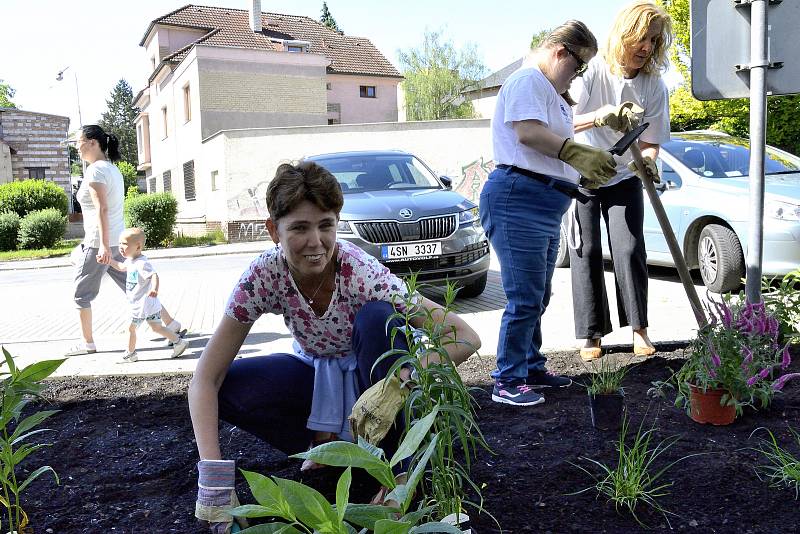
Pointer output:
x,y
358,173
727,157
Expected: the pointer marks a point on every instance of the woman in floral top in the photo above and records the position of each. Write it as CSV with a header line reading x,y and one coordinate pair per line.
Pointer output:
x,y
335,300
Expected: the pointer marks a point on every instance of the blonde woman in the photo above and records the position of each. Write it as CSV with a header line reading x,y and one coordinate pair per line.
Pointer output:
x,y
624,79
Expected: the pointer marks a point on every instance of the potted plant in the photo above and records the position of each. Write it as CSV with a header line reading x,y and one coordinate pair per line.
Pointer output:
x,y
606,396
735,361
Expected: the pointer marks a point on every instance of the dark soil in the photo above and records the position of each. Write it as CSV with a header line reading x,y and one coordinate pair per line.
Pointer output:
x,y
125,452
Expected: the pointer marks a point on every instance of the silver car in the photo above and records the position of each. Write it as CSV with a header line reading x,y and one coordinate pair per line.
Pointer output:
x,y
705,192
397,210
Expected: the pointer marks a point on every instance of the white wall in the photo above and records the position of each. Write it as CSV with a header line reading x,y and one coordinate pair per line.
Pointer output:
x,y
355,109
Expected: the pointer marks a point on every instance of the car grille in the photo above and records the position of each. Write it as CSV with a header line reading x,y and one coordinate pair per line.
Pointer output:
x,y
469,254
395,232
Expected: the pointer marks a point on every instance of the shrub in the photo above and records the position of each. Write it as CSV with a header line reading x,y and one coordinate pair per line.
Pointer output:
x,y
128,173
155,214
32,195
9,230
41,229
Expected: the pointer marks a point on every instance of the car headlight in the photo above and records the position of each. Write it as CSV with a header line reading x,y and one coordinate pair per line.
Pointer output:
x,y
344,228
468,216
783,211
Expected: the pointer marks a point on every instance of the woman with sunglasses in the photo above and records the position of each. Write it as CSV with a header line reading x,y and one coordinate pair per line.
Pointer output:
x,y
621,86
522,202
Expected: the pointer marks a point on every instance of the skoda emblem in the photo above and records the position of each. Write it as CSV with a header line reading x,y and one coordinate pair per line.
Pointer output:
x,y
406,213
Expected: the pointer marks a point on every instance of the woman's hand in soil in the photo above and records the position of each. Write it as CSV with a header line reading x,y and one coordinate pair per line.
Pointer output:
x,y
216,494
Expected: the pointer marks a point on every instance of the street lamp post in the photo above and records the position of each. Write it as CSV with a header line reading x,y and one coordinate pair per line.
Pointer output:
x,y
60,77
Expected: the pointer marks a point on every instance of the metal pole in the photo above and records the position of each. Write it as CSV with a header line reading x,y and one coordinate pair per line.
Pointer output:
x,y
669,236
758,111
78,98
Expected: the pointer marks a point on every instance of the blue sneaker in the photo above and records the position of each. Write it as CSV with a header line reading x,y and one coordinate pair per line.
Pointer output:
x,y
516,393
546,379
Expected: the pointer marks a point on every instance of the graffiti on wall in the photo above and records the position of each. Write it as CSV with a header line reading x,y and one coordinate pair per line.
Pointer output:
x,y
252,231
473,176
249,203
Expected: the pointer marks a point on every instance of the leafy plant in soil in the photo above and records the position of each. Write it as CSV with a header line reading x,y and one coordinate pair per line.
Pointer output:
x,y
783,302
437,385
606,377
782,468
18,388
305,510
634,481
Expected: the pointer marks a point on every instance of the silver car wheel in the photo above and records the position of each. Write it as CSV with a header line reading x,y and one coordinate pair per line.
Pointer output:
x,y
708,258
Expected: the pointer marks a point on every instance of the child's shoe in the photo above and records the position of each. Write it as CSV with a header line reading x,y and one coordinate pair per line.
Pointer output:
x,y
131,357
179,347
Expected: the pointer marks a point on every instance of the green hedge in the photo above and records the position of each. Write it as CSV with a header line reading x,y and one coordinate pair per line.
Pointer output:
x,y
41,229
9,230
32,195
154,213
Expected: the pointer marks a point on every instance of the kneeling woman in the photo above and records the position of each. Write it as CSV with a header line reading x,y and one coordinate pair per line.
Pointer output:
x,y
335,300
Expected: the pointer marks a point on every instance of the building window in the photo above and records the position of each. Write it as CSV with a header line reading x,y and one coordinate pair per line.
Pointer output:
x,y
151,184
367,91
139,144
167,176
188,180
36,173
334,121
164,121
294,48
153,62
214,176
328,86
187,104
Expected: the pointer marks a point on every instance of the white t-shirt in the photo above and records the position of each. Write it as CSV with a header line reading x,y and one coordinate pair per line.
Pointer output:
x,y
598,87
526,95
102,172
137,286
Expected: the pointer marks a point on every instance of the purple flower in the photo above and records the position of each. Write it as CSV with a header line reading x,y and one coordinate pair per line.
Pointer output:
x,y
779,383
714,356
787,359
712,373
748,356
764,373
752,380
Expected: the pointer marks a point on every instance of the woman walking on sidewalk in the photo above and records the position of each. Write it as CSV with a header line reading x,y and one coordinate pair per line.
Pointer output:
x,y
620,82
101,197
524,198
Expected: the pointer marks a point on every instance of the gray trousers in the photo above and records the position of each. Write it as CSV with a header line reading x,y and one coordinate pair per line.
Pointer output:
x,y
622,208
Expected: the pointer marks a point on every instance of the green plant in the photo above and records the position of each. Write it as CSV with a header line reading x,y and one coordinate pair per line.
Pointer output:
x,y
436,383
154,213
304,509
210,238
606,378
634,481
41,229
9,230
32,195
783,468
783,302
18,388
132,191
128,173
737,352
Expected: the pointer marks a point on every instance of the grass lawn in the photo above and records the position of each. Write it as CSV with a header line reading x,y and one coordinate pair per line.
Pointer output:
x,y
62,249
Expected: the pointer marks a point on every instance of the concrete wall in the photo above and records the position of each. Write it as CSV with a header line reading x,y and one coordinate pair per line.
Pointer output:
x,y
484,102
460,149
5,164
355,109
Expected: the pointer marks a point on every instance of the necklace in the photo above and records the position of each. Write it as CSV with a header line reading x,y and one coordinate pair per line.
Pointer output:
x,y
314,295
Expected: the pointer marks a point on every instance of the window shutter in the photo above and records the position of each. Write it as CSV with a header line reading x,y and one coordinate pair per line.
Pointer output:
x,y
168,181
188,180
151,185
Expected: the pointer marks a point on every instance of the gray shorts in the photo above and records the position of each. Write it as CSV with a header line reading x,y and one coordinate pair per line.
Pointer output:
x,y
88,274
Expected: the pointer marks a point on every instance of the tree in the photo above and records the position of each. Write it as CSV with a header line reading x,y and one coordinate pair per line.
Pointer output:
x,y
327,19
6,93
435,76
75,167
731,116
119,120
538,37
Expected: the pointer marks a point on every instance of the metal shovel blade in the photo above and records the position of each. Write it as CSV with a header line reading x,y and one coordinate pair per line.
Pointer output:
x,y
627,140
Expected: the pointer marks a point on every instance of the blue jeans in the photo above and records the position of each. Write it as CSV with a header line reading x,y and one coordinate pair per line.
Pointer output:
x,y
522,217
270,396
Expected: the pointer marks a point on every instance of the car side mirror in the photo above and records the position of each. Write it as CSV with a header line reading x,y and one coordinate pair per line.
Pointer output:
x,y
447,181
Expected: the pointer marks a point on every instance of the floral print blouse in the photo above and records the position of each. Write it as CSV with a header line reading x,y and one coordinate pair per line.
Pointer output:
x,y
268,287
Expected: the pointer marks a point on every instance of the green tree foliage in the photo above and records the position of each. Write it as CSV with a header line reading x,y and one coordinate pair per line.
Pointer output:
x,y
31,195
435,75
731,116
538,37
41,229
128,173
119,120
327,19
6,94
75,166
155,214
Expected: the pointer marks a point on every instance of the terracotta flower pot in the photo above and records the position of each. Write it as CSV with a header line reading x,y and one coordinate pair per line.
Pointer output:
x,y
606,410
706,408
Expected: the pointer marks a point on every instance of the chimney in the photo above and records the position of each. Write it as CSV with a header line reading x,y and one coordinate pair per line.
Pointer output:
x,y
255,16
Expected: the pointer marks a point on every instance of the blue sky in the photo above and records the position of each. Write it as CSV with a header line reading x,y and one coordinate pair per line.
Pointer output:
x,y
99,40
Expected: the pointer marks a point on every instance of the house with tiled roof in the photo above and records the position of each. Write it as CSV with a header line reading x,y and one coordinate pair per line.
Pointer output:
x,y
483,94
215,69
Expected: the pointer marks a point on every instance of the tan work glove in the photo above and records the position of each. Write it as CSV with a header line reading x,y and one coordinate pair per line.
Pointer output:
x,y
619,118
596,165
650,168
376,409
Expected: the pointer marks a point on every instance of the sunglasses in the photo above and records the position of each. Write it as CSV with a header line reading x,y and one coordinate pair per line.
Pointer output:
x,y
582,65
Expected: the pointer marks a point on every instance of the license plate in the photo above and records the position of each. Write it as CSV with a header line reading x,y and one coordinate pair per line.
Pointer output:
x,y
411,250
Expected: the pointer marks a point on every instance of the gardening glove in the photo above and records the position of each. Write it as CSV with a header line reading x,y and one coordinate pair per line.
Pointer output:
x,y
619,118
650,168
595,165
216,495
376,409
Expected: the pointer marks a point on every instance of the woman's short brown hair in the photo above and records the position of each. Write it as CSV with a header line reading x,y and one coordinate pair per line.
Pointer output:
x,y
574,35
305,181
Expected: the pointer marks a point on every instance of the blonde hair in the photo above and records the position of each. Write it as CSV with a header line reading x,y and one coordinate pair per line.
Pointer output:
x,y
630,27
575,35
137,234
